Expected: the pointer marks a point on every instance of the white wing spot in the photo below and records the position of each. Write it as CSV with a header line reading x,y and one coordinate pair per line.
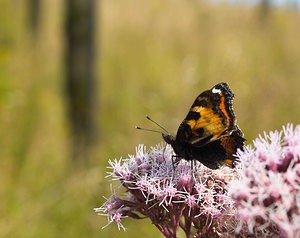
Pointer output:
x,y
214,90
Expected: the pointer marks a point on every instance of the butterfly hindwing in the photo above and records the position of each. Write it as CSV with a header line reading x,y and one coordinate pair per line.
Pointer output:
x,y
219,152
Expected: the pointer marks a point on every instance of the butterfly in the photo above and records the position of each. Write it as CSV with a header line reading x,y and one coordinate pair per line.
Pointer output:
x,y
209,133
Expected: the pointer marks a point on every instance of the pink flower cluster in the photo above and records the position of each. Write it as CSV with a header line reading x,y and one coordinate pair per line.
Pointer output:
x,y
260,198
196,202
267,189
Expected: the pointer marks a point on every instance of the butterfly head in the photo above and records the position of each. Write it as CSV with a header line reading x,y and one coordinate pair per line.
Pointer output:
x,y
168,138
180,148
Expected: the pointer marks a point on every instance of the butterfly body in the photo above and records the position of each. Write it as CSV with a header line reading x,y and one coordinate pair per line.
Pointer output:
x,y
209,133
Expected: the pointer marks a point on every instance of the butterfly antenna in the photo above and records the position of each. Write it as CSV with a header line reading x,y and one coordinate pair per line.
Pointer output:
x,y
156,123
146,129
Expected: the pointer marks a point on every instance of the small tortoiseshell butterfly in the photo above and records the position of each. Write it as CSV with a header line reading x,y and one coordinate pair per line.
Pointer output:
x,y
209,133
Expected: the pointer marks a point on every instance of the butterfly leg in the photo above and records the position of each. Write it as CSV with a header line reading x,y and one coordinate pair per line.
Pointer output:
x,y
192,167
173,164
165,147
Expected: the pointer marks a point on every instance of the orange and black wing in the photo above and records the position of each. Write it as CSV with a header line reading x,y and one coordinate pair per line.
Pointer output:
x,y
209,132
210,117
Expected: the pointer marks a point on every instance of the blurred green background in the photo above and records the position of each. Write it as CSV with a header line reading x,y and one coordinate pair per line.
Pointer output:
x,y
152,57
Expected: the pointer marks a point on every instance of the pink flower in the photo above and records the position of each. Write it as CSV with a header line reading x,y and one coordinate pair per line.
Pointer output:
x,y
267,189
172,199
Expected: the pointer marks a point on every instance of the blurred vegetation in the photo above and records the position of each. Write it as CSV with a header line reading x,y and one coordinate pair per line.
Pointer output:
x,y
155,58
